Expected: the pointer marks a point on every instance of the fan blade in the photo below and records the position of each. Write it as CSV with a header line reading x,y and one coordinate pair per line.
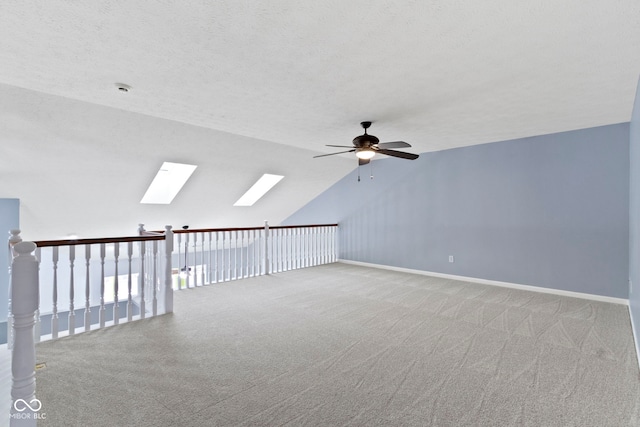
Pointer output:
x,y
333,154
393,144
399,154
343,146
363,162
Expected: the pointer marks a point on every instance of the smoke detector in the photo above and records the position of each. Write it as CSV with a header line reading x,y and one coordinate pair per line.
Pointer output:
x,y
122,87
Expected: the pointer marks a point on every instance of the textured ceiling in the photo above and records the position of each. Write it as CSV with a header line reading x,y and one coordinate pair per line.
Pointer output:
x,y
305,73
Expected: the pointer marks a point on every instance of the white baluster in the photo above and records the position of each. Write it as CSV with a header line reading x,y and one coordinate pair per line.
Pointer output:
x,y
154,303
217,257
202,267
324,245
187,269
129,282
328,238
320,238
195,260
54,315
309,232
180,274
116,308
101,311
142,280
168,288
321,245
261,253
241,249
250,252
266,248
235,254
24,303
314,238
260,246
288,240
72,314
223,249
312,248
334,244
224,263
307,250
229,255
328,234
87,303
280,251
210,265
275,249
306,247
37,328
298,247
283,249
247,266
256,249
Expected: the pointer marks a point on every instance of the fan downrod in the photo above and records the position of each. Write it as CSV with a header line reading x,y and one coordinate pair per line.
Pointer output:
x,y
365,126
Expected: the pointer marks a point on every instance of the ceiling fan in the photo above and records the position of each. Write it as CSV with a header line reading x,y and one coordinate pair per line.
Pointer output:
x,y
366,146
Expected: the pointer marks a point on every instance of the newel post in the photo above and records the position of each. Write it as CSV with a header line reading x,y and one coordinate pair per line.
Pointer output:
x,y
266,247
13,239
168,280
24,303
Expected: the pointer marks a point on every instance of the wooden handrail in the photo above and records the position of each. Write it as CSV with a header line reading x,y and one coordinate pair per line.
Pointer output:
x,y
90,241
302,226
271,227
73,242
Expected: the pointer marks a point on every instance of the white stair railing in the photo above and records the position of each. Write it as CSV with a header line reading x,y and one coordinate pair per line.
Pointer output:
x,y
121,284
216,255
207,256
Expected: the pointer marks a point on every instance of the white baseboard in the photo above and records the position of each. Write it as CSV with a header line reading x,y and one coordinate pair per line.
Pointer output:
x,y
600,298
635,336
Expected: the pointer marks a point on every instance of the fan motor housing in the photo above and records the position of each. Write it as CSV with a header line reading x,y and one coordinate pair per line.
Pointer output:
x,y
365,141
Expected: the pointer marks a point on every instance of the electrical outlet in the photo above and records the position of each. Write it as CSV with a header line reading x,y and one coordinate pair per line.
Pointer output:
x,y
450,258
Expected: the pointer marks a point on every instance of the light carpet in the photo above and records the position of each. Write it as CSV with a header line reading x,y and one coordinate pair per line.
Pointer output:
x,y
344,345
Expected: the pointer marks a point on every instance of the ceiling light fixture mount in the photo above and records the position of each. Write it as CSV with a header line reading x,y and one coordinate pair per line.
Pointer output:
x,y
122,87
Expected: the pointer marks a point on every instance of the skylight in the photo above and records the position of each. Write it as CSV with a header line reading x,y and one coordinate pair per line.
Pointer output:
x,y
168,182
259,189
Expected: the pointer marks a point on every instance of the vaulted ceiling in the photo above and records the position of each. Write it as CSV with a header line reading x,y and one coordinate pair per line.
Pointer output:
x,y
242,88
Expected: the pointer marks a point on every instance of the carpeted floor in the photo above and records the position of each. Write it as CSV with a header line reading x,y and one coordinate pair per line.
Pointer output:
x,y
343,345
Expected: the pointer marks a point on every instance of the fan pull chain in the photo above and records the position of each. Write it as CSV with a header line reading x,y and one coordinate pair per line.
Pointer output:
x,y
371,171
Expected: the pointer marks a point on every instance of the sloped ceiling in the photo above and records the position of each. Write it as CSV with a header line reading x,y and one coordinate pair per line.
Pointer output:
x,y
241,88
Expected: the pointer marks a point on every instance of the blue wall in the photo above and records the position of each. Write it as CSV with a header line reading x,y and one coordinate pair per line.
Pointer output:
x,y
9,219
634,216
549,211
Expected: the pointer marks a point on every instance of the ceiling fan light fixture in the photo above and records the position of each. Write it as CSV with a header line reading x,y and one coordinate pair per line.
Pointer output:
x,y
365,153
